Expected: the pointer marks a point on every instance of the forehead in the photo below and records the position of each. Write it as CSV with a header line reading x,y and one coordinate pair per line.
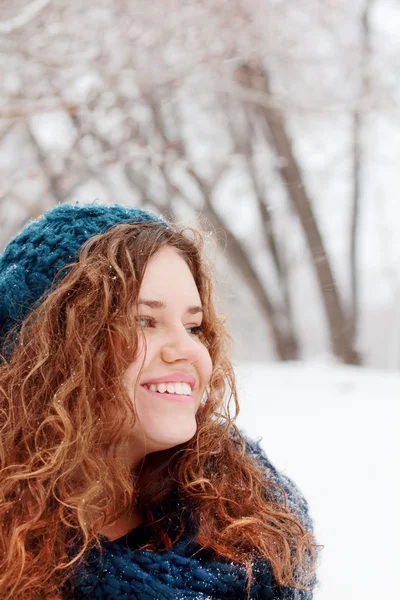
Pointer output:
x,y
168,278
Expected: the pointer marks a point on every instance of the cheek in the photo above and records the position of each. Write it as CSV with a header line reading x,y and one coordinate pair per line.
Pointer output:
x,y
206,365
132,371
136,365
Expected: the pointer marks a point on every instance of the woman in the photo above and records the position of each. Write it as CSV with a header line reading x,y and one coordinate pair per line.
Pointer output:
x,y
122,473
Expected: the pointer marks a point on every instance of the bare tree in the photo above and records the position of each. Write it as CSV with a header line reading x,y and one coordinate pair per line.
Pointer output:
x,y
285,343
290,170
133,88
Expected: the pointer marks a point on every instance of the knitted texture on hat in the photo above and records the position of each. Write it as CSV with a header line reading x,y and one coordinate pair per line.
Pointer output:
x,y
44,246
182,572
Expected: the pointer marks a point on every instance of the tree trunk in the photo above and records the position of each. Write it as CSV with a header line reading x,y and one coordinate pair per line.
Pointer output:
x,y
340,332
357,169
285,344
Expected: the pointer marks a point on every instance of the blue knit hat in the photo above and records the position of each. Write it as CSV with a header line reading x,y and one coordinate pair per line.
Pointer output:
x,y
33,258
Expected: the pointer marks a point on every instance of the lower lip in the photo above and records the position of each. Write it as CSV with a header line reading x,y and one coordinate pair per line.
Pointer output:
x,y
171,397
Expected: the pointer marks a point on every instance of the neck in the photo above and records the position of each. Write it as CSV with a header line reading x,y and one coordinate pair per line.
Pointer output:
x,y
122,525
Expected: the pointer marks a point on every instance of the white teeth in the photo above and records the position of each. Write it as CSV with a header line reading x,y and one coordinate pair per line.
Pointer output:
x,y
172,388
187,390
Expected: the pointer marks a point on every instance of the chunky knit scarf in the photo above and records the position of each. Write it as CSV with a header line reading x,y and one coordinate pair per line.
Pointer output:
x,y
174,574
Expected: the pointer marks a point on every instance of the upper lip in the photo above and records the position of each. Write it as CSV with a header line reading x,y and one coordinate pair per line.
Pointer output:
x,y
172,378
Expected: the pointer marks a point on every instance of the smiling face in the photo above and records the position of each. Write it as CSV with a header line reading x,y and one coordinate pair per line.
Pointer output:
x,y
176,364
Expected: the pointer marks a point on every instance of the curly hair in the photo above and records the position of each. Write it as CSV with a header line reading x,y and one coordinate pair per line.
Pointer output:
x,y
62,406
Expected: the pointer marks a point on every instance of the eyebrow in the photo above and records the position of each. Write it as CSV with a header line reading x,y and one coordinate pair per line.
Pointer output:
x,y
193,310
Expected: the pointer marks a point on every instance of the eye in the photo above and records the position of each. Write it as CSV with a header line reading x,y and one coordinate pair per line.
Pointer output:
x,y
143,321
195,330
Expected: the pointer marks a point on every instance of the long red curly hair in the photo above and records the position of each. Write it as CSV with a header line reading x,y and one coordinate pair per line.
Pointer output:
x,y
62,406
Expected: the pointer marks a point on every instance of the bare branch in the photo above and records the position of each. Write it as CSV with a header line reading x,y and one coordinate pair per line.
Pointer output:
x,y
244,143
6,189
28,14
6,129
27,109
52,179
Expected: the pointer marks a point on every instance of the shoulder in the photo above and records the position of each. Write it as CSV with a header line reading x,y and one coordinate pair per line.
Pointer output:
x,y
296,502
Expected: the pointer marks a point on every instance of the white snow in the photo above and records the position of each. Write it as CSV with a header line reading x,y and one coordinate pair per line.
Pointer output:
x,y
334,430
53,131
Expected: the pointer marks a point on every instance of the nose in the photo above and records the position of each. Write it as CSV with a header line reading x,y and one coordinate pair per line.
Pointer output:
x,y
180,345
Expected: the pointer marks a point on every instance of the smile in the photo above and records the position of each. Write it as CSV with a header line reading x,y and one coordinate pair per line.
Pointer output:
x,y
170,387
178,394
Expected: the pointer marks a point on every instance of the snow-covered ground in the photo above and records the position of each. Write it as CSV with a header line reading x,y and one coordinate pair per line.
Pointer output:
x,y
334,430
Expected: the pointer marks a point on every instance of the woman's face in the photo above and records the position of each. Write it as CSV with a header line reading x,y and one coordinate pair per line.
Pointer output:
x,y
177,366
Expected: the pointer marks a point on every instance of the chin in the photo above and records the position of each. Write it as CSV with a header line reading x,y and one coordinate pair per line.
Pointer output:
x,y
170,439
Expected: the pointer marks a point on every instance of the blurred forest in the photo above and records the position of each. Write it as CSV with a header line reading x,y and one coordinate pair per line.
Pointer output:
x,y
275,123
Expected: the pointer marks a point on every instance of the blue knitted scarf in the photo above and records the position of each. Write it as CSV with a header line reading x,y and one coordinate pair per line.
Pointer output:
x,y
184,573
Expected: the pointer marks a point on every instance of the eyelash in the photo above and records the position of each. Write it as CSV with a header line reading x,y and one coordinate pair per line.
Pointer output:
x,y
152,322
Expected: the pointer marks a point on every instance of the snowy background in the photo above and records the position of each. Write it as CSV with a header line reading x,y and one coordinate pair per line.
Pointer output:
x,y
334,430
181,107
172,105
